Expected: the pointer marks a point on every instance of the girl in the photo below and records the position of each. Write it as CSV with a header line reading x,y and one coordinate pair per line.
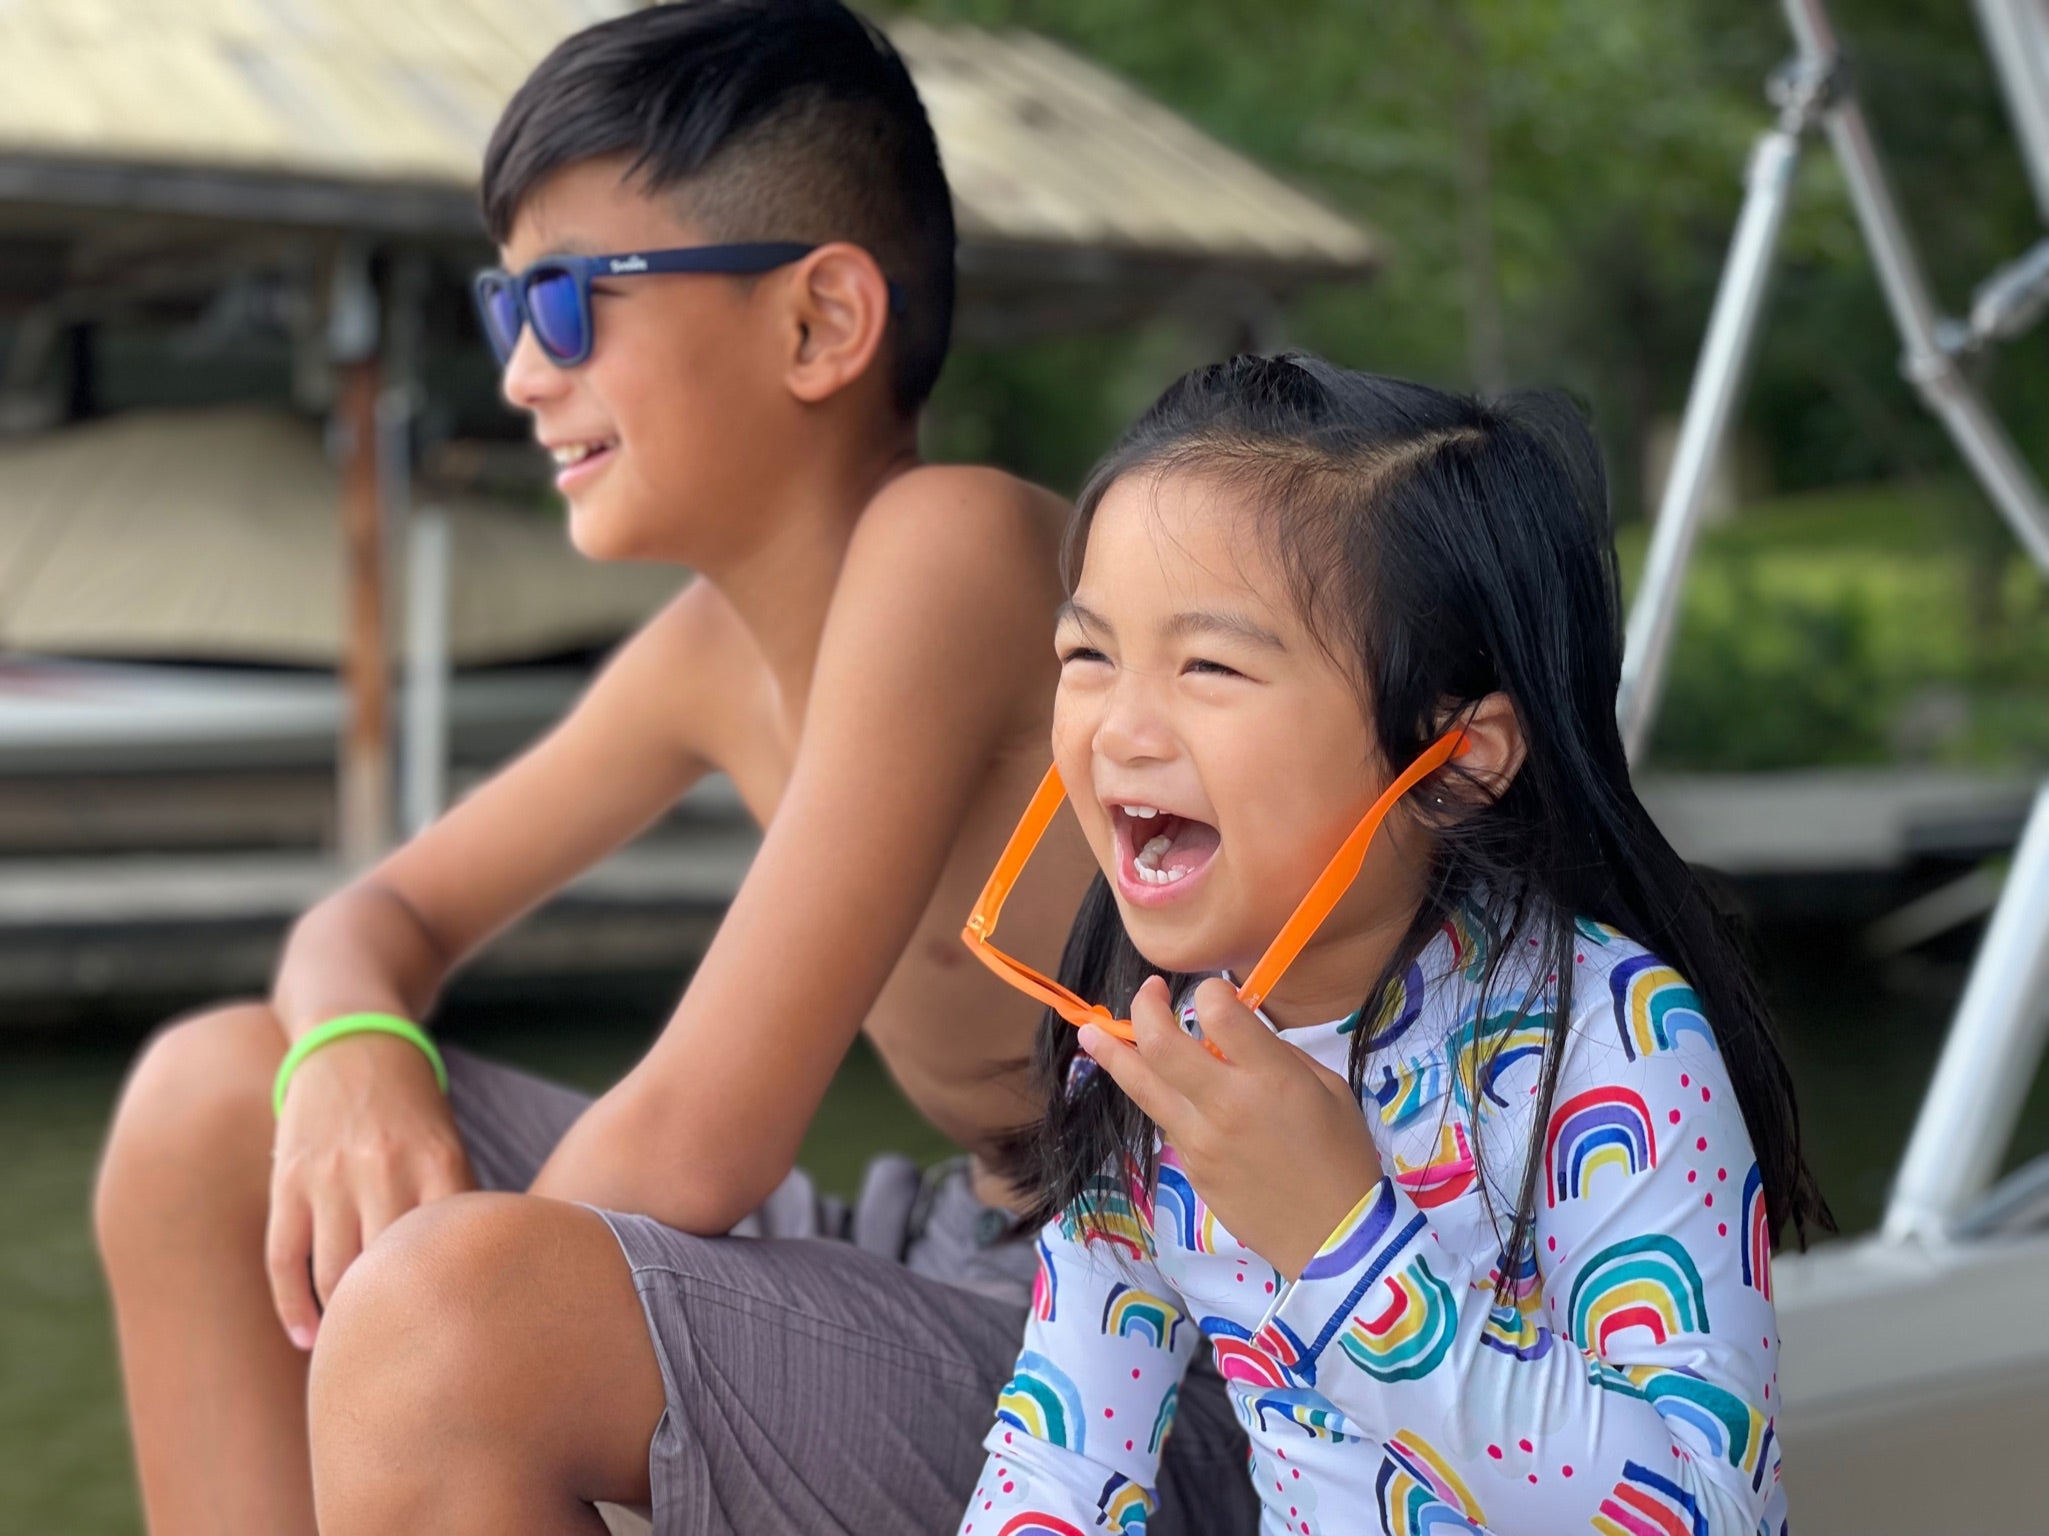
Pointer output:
x,y
1475,1213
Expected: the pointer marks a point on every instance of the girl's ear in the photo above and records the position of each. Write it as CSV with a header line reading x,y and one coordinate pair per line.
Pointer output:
x,y
1494,745
839,312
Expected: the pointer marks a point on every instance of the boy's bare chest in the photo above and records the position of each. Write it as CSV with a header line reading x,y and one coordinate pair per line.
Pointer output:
x,y
950,1033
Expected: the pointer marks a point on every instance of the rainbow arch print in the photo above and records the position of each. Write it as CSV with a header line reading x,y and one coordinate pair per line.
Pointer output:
x,y
1400,1006
1420,1495
1407,1087
1179,1209
1471,941
1238,1357
1647,1503
1279,1343
1130,1313
1594,932
1033,1524
1654,1006
1163,1421
1412,1332
1107,1213
1045,1286
1312,1413
1445,1176
1513,1326
1647,1282
1757,1235
1480,1051
1591,1132
1733,1429
1041,1400
1123,1507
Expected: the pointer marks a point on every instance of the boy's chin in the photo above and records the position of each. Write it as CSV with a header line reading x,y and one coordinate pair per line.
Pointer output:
x,y
600,533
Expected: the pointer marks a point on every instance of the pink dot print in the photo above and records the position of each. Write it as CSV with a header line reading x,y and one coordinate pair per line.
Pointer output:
x,y
1673,1117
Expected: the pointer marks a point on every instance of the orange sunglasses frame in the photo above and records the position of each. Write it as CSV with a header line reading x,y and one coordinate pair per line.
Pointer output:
x,y
1328,889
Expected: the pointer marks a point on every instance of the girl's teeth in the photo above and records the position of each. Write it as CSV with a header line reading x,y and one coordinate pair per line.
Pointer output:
x,y
1155,849
1141,812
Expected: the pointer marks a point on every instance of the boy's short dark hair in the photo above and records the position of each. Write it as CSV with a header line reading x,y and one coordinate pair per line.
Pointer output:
x,y
783,119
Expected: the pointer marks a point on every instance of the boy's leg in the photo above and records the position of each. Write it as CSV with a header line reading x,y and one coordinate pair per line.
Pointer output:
x,y
488,1368
216,1393
213,1385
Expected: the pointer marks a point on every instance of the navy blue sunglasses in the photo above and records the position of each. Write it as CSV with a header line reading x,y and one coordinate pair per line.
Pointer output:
x,y
554,294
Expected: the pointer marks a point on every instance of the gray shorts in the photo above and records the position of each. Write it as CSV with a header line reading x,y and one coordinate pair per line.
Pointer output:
x,y
837,1373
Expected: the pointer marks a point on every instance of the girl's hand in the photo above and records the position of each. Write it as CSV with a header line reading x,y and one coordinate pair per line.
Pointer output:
x,y
365,1136
1272,1140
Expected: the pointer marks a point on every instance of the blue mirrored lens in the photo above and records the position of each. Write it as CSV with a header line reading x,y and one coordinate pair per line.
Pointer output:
x,y
501,318
558,317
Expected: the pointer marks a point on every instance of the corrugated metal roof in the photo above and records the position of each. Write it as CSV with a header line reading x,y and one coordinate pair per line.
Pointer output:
x,y
1043,147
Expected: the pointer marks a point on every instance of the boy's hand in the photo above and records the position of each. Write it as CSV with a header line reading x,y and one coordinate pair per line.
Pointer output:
x,y
1271,1139
365,1136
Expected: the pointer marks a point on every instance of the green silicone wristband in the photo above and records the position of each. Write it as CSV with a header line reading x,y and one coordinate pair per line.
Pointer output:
x,y
352,1024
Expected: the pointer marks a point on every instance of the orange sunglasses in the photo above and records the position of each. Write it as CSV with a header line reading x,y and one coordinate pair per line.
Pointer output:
x,y
1301,926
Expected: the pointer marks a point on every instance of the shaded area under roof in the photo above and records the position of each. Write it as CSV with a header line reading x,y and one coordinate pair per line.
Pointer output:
x,y
372,114
211,535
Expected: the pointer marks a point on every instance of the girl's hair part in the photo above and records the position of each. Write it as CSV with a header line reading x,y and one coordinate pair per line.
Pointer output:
x,y
1440,549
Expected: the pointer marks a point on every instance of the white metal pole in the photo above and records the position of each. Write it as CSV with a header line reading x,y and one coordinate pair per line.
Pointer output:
x,y
1710,403
1990,1058
1928,365
423,745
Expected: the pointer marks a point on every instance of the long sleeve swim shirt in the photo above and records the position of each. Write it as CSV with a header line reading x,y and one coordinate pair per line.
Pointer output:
x,y
1623,1383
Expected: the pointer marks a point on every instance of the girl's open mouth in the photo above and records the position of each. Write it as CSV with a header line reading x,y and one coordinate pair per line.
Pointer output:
x,y
1160,854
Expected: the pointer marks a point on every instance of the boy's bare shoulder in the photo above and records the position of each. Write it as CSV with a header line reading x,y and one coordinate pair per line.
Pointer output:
x,y
669,671
975,529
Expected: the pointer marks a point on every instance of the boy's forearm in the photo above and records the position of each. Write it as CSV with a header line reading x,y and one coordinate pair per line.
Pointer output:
x,y
361,950
627,1153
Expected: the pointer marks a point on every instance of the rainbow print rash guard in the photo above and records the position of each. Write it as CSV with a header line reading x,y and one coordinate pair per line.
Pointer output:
x,y
1626,1385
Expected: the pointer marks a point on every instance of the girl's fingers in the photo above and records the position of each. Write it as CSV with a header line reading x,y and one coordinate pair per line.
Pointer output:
x,y
1135,1075
1235,1029
1184,1064
287,1248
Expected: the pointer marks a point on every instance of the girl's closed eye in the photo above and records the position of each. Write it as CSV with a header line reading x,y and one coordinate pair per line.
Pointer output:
x,y
1081,653
1204,667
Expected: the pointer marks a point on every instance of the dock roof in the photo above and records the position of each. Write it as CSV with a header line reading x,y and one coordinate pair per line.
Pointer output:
x,y
372,114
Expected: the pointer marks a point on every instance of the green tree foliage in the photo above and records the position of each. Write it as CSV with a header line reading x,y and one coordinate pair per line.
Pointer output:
x,y
1557,181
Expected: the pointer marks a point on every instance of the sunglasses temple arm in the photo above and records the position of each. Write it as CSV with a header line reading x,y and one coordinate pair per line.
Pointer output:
x,y
1341,871
1017,852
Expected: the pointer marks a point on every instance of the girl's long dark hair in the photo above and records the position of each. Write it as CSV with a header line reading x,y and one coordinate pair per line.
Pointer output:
x,y
1442,550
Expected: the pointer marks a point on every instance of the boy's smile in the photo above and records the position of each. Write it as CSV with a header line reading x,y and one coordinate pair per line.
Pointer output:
x,y
668,425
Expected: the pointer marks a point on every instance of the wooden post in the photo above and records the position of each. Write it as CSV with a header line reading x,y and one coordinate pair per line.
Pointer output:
x,y
364,789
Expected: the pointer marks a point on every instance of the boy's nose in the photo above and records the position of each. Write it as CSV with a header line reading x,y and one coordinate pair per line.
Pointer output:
x,y
530,379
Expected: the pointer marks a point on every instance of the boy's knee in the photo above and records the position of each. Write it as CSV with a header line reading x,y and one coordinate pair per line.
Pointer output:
x,y
461,1339
195,1107
411,1334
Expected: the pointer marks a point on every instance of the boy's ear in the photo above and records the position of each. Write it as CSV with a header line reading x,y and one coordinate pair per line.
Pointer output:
x,y
1494,747
839,313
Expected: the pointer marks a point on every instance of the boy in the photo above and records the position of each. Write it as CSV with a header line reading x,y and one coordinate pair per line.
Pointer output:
x,y
867,654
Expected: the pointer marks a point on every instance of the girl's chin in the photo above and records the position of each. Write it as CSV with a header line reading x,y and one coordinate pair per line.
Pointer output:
x,y
1165,950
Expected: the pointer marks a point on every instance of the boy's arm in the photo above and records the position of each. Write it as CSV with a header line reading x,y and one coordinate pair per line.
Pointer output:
x,y
389,939
365,1135
937,633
